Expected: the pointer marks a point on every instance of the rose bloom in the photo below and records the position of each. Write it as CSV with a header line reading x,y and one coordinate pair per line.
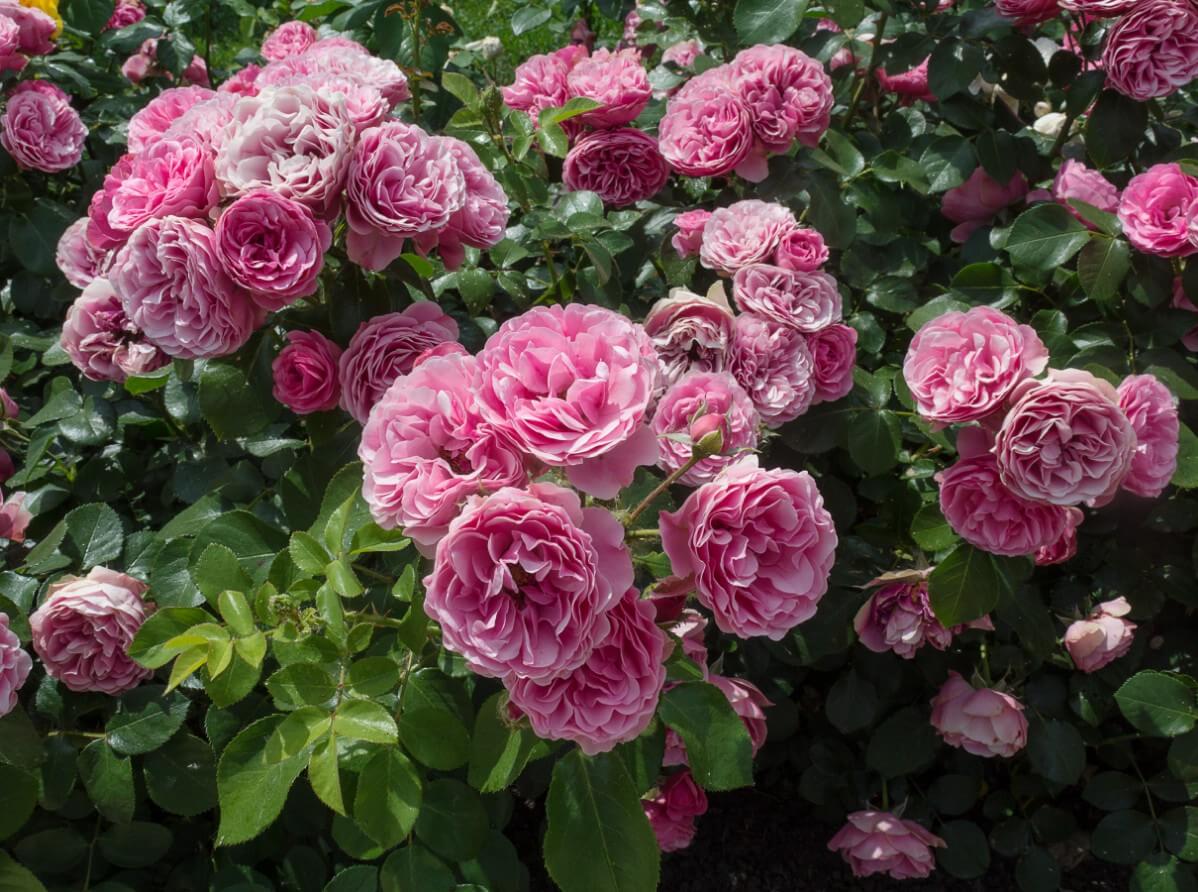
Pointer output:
x,y
617,81
8,406
83,629
759,544
15,665
683,54
672,811
1077,182
806,302
289,39
980,721
540,84
11,57
744,233
609,699
385,347
124,14
689,237
14,517
622,166
78,261
174,289
898,617
911,84
833,355
788,94
243,82
1157,210
878,842
339,59
1099,9
774,366
40,129
745,698
1152,410
1065,440
1065,547
425,449
305,373
604,476
567,383
690,332
24,32
714,395
101,340
802,250
205,121
1027,12
1152,51
1102,637
523,581
707,130
148,125
962,366
975,202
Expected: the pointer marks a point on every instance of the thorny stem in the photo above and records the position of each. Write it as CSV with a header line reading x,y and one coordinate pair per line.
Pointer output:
x,y
695,458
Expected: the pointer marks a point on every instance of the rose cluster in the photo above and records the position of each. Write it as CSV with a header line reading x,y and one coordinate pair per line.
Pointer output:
x,y
1036,448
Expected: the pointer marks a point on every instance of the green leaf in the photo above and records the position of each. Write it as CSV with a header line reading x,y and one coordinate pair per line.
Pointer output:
x,y
846,13
365,720
969,583
33,237
1123,837
852,703
1161,873
460,86
20,743
1158,704
16,878
433,726
145,720
134,845
94,535
967,853
217,570
1114,127
1024,611
301,684
415,869
18,798
1179,826
1183,757
373,676
1101,266
498,751
453,822
230,405
903,744
108,778
717,742
253,540
947,162
1186,475
1045,237
1056,751
181,776
528,18
235,611
388,798
324,774
952,67
766,21
250,788
151,645
298,732
930,530
874,437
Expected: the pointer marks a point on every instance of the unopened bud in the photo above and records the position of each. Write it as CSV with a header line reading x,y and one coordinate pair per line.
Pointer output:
x,y
707,433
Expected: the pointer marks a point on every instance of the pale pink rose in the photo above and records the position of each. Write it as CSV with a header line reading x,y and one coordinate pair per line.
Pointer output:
x,y
962,366
124,14
690,333
1027,12
978,200
1077,182
34,35
385,347
1152,51
1180,302
759,544
898,617
83,628
289,39
606,475
910,84
174,289
1158,209
425,449
14,517
622,166
1152,410
743,233
339,57
40,130
147,126
243,82
673,809
874,842
273,247
524,579
7,467
8,406
1065,547
1102,637
305,373
833,356
1099,9
540,84
15,665
774,366
980,721
1065,440
712,395
101,340
689,237
205,121
75,256
707,130
788,94
803,301
610,698
567,383
617,81
802,249
683,53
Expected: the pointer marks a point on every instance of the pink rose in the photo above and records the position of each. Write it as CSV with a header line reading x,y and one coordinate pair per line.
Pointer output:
x,y
1102,637
962,366
338,59
617,81
1180,302
33,35
975,202
305,373
806,302
15,665
748,702
174,289
14,517
243,82
759,544
712,395
40,129
788,94
205,121
124,14
1065,547
385,347
83,628
672,811
425,449
690,629
289,39
1065,440
147,126
774,366
8,406
833,357
980,721
802,250
707,130
898,617
1152,51
1158,210
622,166
567,383
141,64
75,256
878,842
1027,12
540,84
610,698
910,84
605,475
7,468
1077,182
689,237
524,579
683,54
690,333
1098,9
101,340
273,247
1152,411
11,57
743,233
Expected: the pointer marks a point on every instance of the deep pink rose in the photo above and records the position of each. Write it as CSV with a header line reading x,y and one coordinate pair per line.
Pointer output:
x,y
788,94
617,81
40,129
1098,9
980,721
101,340
174,289
305,373
75,256
1152,410
567,383
743,233
759,544
25,32
683,53
833,357
610,698
273,247
7,467
713,395
689,237
690,333
622,166
1077,182
1102,637
15,665
147,126
14,517
289,39
774,366
540,84
707,130
975,202
1065,547
962,366
1027,12
804,301
425,449
1065,440
11,57
524,579
672,811
1159,211
385,347
802,249
1152,51
898,617
910,84
124,14
141,64
243,82
878,842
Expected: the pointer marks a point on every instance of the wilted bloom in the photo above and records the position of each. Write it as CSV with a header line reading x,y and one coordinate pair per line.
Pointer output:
x,y
672,811
1152,410
804,301
101,340
981,721
1075,181
690,332
1102,637
40,130
1159,211
878,842
697,395
289,39
898,617
975,202
622,166
15,664
617,81
14,517
305,373
833,356
743,233
775,367
1152,51
788,94
689,237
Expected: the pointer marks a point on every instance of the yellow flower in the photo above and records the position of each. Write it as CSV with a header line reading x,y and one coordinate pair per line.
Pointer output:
x,y
50,8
